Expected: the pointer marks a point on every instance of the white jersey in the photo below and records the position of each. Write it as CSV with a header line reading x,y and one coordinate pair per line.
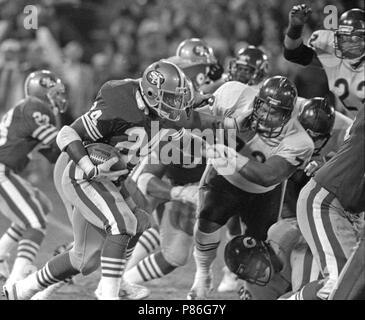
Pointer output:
x,y
346,83
293,144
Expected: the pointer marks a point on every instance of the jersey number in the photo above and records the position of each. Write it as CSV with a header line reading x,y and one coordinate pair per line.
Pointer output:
x,y
345,85
40,119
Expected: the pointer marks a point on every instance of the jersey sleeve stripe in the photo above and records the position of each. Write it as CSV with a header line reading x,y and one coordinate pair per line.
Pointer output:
x,y
45,133
86,126
93,126
37,131
50,138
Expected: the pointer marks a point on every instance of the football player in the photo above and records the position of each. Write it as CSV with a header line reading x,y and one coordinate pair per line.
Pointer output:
x,y
341,53
250,67
330,212
198,53
162,94
28,126
272,267
271,144
327,128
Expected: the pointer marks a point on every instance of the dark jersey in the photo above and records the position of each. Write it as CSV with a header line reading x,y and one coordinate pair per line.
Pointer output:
x,y
117,116
343,175
22,128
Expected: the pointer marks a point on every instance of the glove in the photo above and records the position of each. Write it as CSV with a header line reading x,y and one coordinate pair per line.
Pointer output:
x,y
312,167
102,171
188,194
215,71
299,15
202,100
244,294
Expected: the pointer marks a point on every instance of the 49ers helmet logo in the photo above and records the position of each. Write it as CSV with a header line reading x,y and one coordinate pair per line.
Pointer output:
x,y
155,77
200,50
46,82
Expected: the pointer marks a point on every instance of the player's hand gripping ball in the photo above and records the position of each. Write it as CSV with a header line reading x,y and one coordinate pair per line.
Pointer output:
x,y
108,159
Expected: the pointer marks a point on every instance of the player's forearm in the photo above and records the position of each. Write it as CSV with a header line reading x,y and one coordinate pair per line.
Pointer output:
x,y
302,54
263,174
153,186
68,140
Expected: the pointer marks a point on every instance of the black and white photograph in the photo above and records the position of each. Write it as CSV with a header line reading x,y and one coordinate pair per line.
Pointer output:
x,y
166,151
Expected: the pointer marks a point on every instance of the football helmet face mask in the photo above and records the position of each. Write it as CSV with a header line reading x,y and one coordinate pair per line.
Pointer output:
x,y
349,38
249,259
166,89
273,106
317,117
249,67
46,86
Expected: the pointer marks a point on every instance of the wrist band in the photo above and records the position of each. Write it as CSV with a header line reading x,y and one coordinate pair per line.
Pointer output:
x,y
295,32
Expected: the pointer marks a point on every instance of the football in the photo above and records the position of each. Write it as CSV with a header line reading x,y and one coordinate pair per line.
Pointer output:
x,y
101,152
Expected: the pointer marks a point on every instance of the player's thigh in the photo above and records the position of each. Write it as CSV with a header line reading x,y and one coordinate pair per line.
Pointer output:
x,y
260,211
21,202
100,202
218,206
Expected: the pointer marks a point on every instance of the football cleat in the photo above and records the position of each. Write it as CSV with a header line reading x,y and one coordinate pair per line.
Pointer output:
x,y
229,282
46,293
132,291
15,291
202,287
128,291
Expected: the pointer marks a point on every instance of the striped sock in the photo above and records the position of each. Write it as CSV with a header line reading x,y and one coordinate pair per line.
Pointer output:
x,y
9,239
113,261
45,277
152,267
205,250
148,242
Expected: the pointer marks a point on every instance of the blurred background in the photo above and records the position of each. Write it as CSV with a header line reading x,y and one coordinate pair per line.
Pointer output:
x,y
88,42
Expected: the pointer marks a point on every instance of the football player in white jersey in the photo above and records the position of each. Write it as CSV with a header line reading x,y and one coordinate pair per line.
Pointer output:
x,y
341,53
271,144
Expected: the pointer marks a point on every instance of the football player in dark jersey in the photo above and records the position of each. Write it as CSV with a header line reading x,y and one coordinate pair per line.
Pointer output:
x,y
330,211
122,109
28,126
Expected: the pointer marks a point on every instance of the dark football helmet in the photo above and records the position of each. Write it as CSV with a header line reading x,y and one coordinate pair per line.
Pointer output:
x,y
48,87
350,36
317,117
273,106
166,89
249,259
250,66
